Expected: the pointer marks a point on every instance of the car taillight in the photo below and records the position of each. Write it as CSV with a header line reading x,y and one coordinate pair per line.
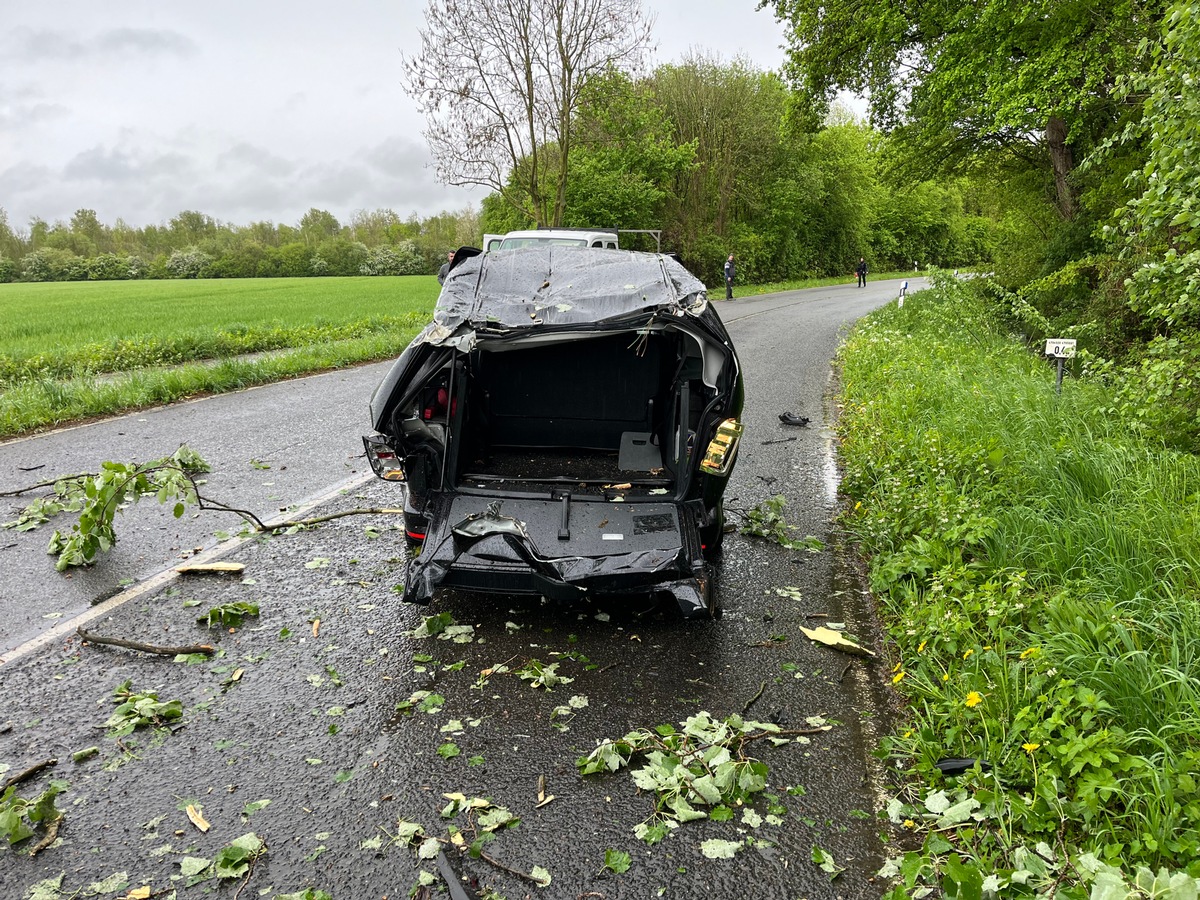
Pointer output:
x,y
722,449
384,461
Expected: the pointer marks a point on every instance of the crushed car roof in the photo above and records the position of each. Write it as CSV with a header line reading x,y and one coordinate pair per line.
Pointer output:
x,y
557,286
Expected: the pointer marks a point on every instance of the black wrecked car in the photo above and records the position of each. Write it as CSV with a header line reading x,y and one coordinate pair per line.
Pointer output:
x,y
565,426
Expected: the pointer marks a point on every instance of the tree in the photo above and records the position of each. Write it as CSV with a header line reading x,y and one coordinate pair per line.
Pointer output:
x,y
190,227
317,225
1033,79
498,83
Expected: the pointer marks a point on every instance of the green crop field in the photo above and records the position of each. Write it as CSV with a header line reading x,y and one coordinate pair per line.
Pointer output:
x,y
64,316
156,341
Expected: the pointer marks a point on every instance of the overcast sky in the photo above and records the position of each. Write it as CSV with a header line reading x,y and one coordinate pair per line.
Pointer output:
x,y
247,111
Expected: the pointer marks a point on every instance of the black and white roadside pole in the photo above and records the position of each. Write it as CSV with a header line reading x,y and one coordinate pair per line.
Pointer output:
x,y
903,293
1060,350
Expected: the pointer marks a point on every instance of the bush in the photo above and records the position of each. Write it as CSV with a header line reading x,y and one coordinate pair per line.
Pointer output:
x,y
107,267
403,259
188,263
52,264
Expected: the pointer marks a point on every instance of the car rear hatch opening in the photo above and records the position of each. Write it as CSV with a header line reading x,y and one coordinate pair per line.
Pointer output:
x,y
586,438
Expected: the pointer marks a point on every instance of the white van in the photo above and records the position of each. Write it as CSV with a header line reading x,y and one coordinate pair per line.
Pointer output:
x,y
556,237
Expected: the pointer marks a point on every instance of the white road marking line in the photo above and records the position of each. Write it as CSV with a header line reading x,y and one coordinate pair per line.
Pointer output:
x,y
155,582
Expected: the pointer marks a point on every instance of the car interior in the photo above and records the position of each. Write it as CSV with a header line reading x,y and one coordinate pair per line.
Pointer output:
x,y
589,409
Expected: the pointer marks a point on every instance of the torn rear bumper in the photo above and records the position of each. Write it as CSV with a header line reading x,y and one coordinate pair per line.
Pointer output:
x,y
601,549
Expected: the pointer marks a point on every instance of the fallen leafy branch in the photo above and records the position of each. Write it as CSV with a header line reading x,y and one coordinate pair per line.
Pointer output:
x,y
98,496
705,764
766,521
484,820
136,710
144,648
19,817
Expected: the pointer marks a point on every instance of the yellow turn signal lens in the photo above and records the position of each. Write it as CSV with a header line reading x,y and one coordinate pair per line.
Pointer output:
x,y
722,449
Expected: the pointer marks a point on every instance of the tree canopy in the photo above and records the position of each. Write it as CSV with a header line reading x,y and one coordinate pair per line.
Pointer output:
x,y
1033,79
499,84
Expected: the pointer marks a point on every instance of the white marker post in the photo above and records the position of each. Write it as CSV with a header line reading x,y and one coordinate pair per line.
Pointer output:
x,y
903,292
1060,349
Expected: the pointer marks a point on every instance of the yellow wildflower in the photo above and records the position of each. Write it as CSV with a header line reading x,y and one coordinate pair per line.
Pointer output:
x,y
974,698
898,677
909,823
921,649
1029,748
967,654
1031,651
946,677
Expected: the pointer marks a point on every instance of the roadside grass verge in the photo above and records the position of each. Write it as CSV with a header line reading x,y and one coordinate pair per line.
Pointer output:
x,y
49,402
76,329
774,287
1038,569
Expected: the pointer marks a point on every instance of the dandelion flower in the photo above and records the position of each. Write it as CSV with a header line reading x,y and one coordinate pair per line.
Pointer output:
x,y
921,649
1029,748
946,677
909,823
974,698
1031,651
898,677
967,654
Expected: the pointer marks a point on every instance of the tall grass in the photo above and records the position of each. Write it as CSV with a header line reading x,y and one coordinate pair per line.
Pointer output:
x,y
1039,566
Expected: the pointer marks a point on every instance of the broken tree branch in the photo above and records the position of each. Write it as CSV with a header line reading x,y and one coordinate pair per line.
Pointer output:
x,y
205,503
28,773
144,648
495,862
317,520
49,482
749,703
50,838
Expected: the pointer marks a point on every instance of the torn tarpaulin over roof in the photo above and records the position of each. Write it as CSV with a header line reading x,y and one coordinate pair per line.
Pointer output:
x,y
561,286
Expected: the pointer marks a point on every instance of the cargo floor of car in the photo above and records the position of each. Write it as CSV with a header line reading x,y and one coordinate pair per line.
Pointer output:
x,y
638,459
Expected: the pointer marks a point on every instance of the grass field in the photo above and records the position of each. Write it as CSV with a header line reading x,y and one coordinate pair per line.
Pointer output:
x,y
66,317
155,341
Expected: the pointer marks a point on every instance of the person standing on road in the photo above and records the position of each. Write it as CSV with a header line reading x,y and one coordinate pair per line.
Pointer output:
x,y
730,274
445,269
861,271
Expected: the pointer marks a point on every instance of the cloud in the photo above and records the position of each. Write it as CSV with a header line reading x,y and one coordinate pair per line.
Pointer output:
x,y
26,115
237,182
54,45
120,167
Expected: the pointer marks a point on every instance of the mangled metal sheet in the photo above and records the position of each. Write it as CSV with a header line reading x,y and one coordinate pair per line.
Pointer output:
x,y
559,287
488,534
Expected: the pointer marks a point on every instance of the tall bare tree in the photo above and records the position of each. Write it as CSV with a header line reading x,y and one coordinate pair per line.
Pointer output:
x,y
499,80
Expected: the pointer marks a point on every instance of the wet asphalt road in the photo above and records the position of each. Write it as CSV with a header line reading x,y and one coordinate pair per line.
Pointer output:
x,y
311,723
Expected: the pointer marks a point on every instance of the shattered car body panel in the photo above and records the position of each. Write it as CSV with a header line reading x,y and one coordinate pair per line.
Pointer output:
x,y
557,424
